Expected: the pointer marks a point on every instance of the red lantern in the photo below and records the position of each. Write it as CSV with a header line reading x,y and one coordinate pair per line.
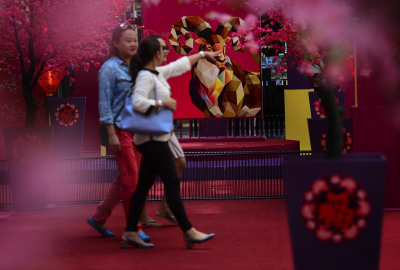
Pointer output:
x,y
50,80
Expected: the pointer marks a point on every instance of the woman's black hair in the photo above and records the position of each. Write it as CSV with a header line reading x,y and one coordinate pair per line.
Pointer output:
x,y
148,47
116,36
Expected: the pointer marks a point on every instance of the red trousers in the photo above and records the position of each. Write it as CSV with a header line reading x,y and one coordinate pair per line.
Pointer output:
x,y
128,160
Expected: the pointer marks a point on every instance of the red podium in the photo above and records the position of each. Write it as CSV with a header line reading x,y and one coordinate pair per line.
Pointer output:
x,y
29,156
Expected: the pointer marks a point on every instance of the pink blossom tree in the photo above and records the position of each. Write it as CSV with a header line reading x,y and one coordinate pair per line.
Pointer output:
x,y
46,35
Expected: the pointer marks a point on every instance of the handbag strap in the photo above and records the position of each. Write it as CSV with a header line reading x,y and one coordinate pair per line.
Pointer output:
x,y
119,112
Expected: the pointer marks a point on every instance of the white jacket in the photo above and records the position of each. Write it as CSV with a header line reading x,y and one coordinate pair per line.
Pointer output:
x,y
143,91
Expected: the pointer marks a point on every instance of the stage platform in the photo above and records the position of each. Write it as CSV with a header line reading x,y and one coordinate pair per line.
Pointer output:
x,y
215,169
239,145
229,145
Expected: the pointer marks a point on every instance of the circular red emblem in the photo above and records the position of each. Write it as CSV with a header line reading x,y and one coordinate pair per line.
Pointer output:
x,y
347,140
67,114
319,109
28,149
335,208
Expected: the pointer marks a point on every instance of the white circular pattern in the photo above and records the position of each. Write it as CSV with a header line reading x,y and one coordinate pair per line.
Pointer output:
x,y
28,149
335,208
67,114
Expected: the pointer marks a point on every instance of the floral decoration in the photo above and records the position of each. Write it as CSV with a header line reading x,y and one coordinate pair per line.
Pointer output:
x,y
28,149
347,140
67,114
319,109
335,208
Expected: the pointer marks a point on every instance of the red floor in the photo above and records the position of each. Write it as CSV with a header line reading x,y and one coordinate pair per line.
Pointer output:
x,y
250,234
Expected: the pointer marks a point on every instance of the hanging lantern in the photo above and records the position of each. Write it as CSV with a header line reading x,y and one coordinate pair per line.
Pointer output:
x,y
50,80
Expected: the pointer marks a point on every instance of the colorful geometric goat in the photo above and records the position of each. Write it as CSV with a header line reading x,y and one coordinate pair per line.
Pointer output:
x,y
224,89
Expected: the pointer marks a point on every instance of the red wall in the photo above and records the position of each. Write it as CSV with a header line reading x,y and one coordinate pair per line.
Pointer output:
x,y
348,86
374,131
86,85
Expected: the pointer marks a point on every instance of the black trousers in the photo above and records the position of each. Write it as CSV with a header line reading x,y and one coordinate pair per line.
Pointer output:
x,y
157,159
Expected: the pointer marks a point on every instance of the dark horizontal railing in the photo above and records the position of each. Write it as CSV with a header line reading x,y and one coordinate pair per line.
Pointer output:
x,y
207,175
271,126
222,127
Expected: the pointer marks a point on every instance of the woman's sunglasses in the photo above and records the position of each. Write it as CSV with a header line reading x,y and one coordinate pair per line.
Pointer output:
x,y
165,48
127,25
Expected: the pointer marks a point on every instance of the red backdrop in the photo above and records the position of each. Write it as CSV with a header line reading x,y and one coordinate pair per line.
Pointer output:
x,y
373,126
159,19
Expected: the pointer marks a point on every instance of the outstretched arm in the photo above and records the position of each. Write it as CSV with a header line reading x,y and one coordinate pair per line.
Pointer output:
x,y
210,56
183,64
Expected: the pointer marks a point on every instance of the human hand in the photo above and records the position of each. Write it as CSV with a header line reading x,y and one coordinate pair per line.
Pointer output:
x,y
114,143
169,103
212,56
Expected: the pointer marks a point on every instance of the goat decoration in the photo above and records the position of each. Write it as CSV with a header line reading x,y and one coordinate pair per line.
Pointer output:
x,y
223,89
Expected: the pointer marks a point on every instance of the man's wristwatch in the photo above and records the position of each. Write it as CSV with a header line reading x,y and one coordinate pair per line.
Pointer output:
x,y
202,54
159,103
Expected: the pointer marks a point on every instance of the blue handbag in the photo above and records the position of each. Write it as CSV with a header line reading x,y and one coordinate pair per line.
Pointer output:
x,y
156,123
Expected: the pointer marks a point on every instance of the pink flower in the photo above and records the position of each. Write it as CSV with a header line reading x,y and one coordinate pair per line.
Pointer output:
x,y
309,196
323,234
351,232
361,194
362,223
307,211
311,225
337,238
318,186
349,184
364,208
222,17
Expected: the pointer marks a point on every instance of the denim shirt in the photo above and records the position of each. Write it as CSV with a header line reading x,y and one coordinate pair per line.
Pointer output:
x,y
114,84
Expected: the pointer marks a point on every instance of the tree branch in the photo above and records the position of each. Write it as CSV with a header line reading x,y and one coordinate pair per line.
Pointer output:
x,y
19,49
38,74
31,48
43,11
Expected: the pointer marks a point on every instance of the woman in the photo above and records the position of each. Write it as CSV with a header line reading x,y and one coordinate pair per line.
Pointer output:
x,y
114,84
156,154
179,160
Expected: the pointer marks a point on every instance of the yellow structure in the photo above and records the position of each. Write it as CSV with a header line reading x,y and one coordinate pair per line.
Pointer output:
x,y
297,110
103,150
